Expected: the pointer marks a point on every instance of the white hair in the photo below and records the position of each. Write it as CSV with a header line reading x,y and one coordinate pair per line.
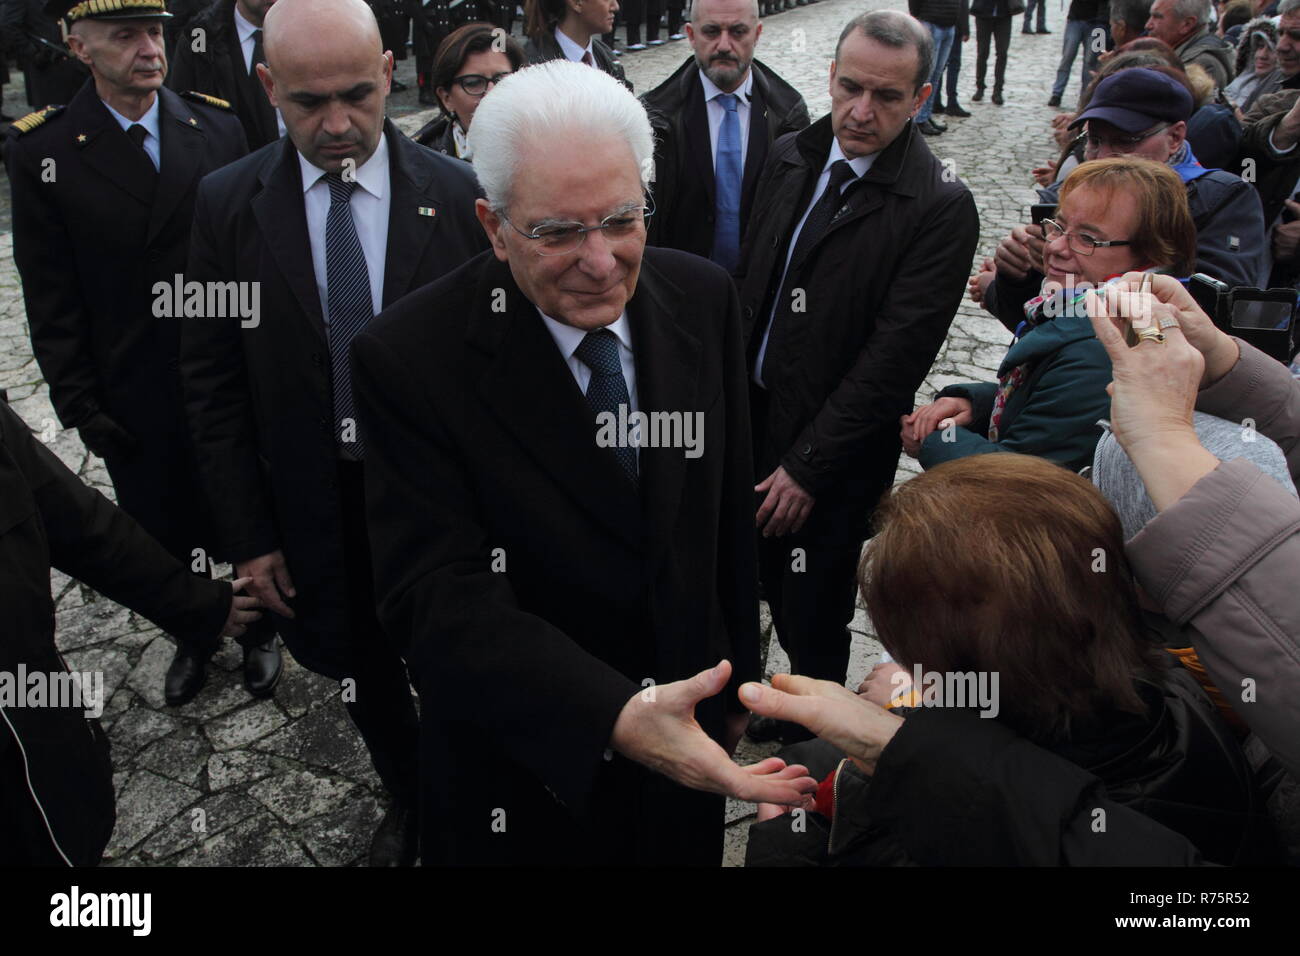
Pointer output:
x,y
1200,9
556,101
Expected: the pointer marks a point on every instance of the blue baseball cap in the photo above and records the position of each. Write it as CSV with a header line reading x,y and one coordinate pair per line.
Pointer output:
x,y
1134,100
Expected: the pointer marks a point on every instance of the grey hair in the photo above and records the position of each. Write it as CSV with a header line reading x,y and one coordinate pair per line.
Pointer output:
x,y
1287,6
1134,13
1200,9
556,101
895,29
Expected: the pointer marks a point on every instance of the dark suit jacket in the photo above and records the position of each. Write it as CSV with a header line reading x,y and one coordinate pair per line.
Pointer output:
x,y
880,290
219,71
479,439
685,195
547,47
259,399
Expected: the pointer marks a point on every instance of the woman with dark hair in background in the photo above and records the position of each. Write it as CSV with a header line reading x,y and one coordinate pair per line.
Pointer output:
x,y
571,30
466,67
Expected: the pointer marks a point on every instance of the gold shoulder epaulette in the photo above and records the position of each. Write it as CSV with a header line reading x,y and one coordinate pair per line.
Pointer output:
x,y
216,101
32,120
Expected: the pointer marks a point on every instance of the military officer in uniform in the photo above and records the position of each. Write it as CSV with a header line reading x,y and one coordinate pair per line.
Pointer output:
x,y
103,198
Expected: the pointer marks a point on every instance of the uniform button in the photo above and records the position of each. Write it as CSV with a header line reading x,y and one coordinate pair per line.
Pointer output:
x,y
807,449
608,754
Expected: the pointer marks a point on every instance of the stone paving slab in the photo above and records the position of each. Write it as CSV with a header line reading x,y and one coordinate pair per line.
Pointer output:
x,y
226,780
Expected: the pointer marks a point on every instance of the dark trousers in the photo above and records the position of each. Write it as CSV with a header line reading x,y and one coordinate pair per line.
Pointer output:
x,y
999,28
952,72
382,709
1041,6
633,17
654,9
810,578
676,8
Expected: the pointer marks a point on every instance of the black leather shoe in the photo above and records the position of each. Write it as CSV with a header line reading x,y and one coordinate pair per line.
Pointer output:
x,y
1054,101
938,110
1042,30
955,109
997,98
941,127
929,129
185,676
262,668
979,94
397,839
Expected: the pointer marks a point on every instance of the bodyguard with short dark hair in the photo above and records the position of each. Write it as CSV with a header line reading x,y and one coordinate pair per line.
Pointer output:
x,y
103,200
854,262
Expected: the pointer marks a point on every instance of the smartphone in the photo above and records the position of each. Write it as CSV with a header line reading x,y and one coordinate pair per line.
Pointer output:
x,y
1040,211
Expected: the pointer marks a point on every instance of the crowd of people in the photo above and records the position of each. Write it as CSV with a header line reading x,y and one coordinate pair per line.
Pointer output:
x,y
392,389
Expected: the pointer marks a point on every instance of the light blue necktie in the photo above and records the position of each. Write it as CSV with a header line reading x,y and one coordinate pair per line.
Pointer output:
x,y
347,289
727,174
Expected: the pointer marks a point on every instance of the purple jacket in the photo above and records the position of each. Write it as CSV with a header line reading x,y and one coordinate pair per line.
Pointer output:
x,y
1224,560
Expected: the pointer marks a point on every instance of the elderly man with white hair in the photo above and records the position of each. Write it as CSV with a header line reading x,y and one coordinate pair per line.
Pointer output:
x,y
561,506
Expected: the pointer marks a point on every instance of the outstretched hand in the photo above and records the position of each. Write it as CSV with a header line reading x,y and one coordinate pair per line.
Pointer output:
x,y
657,728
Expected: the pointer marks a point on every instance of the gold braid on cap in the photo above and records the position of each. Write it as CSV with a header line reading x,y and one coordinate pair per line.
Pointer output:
x,y
90,8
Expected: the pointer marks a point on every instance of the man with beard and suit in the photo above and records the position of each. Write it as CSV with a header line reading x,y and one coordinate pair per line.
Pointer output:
x,y
566,585
334,222
854,263
714,120
225,65
103,201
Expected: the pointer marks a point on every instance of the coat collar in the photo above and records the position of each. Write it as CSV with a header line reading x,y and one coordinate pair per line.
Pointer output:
x,y
906,152
559,433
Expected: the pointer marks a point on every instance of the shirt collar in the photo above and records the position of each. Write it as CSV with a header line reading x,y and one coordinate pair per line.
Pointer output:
x,y
243,27
859,165
149,121
571,50
372,175
567,338
743,91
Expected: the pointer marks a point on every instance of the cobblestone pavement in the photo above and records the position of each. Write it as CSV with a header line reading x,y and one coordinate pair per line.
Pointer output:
x,y
287,781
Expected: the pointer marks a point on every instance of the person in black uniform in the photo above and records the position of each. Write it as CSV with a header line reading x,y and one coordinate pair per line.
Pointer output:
x,y
225,66
56,780
103,197
52,74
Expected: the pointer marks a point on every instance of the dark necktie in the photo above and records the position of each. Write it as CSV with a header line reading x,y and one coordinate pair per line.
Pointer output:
x,y
607,389
347,288
814,227
259,56
138,134
586,58
727,174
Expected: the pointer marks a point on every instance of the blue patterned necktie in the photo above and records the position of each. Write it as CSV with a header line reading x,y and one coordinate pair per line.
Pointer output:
x,y
607,389
347,286
727,175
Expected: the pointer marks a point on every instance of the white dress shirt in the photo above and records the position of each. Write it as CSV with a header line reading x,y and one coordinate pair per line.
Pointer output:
x,y
717,111
567,339
370,204
571,50
150,121
859,166
245,30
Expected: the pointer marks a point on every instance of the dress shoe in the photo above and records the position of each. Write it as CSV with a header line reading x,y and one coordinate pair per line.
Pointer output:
x,y
979,94
997,98
955,109
938,110
1055,100
1026,30
929,129
655,42
397,839
678,36
941,127
635,47
1042,30
262,668
185,676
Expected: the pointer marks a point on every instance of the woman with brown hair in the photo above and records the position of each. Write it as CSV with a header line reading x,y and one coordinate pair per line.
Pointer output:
x,y
1115,216
467,66
1006,575
571,29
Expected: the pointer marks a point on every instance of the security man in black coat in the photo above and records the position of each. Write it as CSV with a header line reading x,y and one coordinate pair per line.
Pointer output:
x,y
224,67
56,779
699,145
340,218
103,196
52,74
847,297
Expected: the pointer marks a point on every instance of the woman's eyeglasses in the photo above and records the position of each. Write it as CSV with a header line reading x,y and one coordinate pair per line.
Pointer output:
x,y
1080,242
476,84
